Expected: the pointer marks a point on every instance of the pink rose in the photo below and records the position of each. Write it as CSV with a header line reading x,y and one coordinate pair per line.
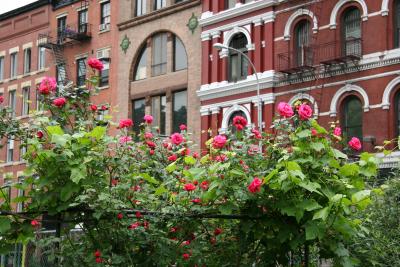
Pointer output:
x,y
177,138
185,256
59,102
151,144
173,157
133,226
125,123
1,99
257,134
219,142
314,132
39,134
337,131
255,185
47,86
355,143
148,135
305,112
189,187
285,110
125,139
96,64
93,108
34,223
239,122
182,127
148,119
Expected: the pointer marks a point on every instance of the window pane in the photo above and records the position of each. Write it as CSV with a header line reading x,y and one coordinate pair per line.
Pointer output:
x,y
141,67
105,73
83,21
302,38
12,101
230,4
158,111
352,32
180,110
159,4
41,58
14,65
237,63
10,150
159,50
105,13
81,71
352,118
27,60
396,27
140,7
25,99
1,68
180,57
138,114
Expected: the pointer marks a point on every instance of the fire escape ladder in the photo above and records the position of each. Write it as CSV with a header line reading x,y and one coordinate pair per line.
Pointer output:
x,y
60,62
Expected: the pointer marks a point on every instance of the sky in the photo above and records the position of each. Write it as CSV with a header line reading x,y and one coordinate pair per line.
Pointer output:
x,y
7,5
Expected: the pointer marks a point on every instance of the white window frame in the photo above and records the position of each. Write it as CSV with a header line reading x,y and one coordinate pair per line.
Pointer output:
x,y
27,59
1,68
14,65
41,58
25,100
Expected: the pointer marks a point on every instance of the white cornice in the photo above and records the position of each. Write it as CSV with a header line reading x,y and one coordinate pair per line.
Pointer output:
x,y
209,18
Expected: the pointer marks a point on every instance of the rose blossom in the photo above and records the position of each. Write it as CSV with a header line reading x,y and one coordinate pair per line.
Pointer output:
x,y
173,157
355,143
285,110
1,99
239,122
204,185
99,260
34,223
134,226
120,216
219,142
176,138
314,132
189,187
255,185
125,139
182,127
93,108
186,256
148,119
97,253
305,112
151,144
337,131
151,152
196,200
257,134
125,123
47,86
96,64
148,135
218,231
39,134
59,102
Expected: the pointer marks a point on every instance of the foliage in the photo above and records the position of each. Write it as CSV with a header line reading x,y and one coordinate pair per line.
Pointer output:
x,y
155,202
379,243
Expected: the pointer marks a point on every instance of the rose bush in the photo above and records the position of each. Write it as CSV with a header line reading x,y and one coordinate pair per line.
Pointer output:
x,y
157,202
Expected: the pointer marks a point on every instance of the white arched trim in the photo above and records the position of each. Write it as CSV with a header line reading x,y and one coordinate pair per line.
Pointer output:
x,y
228,113
301,96
388,91
345,89
229,35
294,16
339,4
385,8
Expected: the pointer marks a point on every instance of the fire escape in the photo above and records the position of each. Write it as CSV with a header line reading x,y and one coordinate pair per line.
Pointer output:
x,y
310,59
65,35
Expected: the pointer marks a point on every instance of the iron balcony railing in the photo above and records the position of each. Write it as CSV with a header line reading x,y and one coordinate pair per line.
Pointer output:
x,y
340,51
298,60
72,32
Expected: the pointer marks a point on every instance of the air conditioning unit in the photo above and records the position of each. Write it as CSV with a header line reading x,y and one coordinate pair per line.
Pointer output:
x,y
104,27
104,53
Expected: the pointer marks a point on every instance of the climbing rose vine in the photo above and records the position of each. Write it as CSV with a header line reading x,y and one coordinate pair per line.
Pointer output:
x,y
139,199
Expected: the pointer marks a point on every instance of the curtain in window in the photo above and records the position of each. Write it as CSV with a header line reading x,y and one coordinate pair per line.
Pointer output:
x,y
303,53
238,64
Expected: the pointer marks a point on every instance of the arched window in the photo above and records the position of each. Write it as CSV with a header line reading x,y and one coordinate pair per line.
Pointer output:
x,y
180,57
303,53
159,54
351,32
352,117
141,66
237,63
397,115
396,28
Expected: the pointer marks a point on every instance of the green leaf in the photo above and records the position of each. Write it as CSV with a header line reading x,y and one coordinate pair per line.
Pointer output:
x,y
293,166
5,224
304,133
171,167
338,154
197,172
160,190
309,205
189,160
236,172
322,214
54,130
78,173
317,146
68,190
60,140
271,175
349,169
98,132
318,128
310,186
360,196
148,178
314,230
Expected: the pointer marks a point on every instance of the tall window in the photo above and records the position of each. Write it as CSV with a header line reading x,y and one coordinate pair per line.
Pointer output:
x,y
159,4
13,65
138,112
41,58
159,50
397,115
141,66
10,150
179,115
27,60
39,101
396,27
140,7
105,73
83,21
1,68
351,32
25,100
158,111
180,57
61,74
12,101
303,54
237,63
21,193
61,26
105,13
81,72
352,117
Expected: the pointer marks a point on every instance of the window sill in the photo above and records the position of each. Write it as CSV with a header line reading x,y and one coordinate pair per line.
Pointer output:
x,y
13,79
40,70
104,31
12,163
103,87
26,74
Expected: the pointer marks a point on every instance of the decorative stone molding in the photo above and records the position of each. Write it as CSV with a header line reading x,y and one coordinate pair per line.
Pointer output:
x,y
301,96
339,4
294,16
385,8
345,89
228,113
388,91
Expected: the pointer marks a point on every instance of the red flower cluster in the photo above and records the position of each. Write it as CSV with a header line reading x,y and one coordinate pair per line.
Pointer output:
x,y
59,102
96,64
305,112
219,141
97,254
355,144
1,99
47,86
176,138
239,122
255,185
148,119
35,223
182,127
126,123
189,187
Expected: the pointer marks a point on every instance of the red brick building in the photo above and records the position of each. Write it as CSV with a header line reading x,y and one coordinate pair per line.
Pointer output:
x,y
341,56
